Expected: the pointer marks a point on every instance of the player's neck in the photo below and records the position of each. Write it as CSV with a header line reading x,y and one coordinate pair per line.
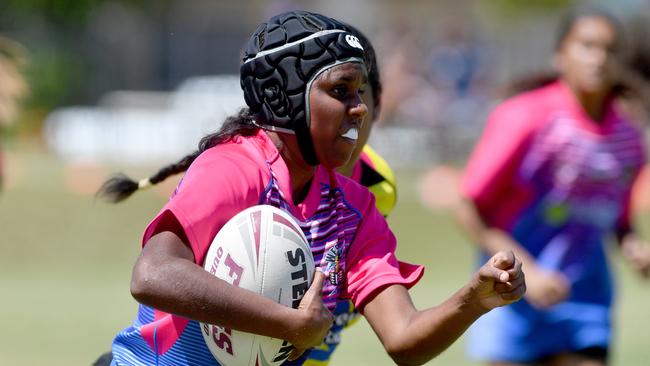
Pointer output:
x,y
346,169
594,105
301,172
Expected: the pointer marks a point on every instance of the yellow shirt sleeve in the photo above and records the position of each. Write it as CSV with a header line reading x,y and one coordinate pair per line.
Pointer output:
x,y
378,176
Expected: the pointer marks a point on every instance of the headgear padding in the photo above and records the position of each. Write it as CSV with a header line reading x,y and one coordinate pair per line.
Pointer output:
x,y
281,60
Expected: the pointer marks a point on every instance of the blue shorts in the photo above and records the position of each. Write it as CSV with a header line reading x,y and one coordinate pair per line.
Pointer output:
x,y
520,333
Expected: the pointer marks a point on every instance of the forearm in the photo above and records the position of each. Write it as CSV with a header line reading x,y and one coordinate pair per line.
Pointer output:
x,y
433,330
415,337
175,284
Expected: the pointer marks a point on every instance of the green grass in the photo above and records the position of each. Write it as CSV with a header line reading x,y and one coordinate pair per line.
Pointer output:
x,y
65,263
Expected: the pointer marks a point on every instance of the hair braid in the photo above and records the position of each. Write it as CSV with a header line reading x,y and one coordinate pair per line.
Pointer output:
x,y
120,186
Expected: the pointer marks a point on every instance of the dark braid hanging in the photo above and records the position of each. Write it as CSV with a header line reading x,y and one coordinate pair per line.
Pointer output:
x,y
120,187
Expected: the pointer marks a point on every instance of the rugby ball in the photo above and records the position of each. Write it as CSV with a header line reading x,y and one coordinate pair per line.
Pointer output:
x,y
261,249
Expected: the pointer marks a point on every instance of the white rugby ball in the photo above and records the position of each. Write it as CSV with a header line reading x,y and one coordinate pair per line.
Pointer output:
x,y
261,249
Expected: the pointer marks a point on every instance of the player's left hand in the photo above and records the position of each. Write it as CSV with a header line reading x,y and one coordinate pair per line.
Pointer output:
x,y
637,253
500,281
317,319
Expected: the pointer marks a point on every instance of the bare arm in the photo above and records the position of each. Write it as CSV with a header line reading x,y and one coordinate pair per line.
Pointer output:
x,y
636,252
166,278
545,288
413,337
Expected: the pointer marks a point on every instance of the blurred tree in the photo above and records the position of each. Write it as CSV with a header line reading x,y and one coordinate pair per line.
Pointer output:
x,y
65,13
69,63
13,88
513,6
50,30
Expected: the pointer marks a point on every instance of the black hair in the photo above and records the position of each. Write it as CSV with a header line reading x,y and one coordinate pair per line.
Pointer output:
x,y
640,45
639,60
568,20
119,187
565,25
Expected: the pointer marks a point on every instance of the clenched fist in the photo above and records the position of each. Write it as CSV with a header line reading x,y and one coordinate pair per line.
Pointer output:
x,y
498,282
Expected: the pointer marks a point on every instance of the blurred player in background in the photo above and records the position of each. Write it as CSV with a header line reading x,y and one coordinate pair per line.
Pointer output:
x,y
13,87
550,179
301,124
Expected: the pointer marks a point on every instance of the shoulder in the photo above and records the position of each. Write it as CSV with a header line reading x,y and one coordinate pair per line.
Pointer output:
x,y
628,129
529,101
239,162
242,153
213,162
524,113
624,118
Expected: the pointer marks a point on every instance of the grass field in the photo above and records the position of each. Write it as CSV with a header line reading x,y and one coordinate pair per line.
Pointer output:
x,y
65,265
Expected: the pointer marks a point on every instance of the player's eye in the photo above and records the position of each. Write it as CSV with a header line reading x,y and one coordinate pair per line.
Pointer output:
x,y
340,91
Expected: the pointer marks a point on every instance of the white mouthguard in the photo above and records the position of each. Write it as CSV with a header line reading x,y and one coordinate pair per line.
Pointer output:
x,y
352,134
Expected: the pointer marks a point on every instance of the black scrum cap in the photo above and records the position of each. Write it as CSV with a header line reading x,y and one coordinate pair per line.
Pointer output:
x,y
281,60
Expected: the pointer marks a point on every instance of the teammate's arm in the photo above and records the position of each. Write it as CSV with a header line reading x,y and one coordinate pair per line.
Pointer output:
x,y
636,252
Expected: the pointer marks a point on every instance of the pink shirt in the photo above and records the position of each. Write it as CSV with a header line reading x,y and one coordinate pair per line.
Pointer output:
x,y
541,141
230,177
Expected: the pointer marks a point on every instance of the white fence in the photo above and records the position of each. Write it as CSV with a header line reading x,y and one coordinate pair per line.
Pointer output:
x,y
153,128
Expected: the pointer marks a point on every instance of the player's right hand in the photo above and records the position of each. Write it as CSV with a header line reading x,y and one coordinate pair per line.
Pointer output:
x,y
546,288
315,319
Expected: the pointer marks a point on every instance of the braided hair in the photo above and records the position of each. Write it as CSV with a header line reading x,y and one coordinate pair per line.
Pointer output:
x,y
281,59
120,187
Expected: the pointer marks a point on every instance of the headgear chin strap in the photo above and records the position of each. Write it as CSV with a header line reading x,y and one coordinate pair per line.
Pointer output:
x,y
280,62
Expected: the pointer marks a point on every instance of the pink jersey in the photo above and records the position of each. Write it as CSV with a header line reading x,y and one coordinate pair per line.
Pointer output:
x,y
239,175
350,240
559,183
543,140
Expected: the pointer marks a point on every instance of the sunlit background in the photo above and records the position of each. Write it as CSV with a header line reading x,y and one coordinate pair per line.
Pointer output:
x,y
89,87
